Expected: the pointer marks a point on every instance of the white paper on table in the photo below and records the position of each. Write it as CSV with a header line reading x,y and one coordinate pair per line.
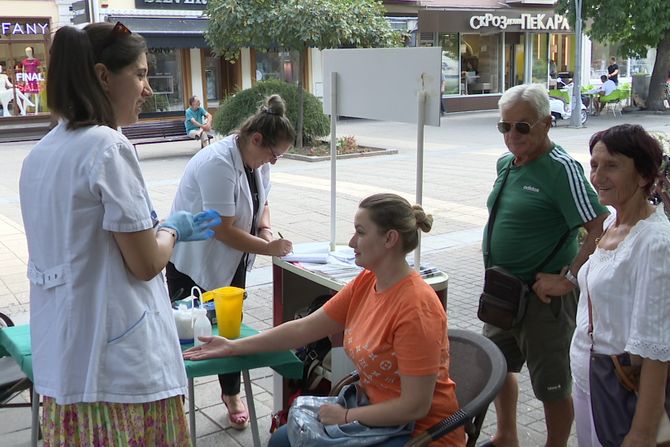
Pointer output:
x,y
312,252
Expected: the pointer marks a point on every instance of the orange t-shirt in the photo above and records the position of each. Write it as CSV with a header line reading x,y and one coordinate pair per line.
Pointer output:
x,y
402,331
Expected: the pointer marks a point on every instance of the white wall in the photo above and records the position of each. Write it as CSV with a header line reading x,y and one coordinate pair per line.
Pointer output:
x,y
245,60
197,87
316,72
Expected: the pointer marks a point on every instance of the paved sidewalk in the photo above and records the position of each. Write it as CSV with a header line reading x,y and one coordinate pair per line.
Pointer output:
x,y
459,171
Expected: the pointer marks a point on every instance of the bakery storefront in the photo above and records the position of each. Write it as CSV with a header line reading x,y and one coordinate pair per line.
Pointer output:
x,y
24,57
487,51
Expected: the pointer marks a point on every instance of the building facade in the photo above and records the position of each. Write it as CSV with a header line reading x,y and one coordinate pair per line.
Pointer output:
x,y
487,47
24,58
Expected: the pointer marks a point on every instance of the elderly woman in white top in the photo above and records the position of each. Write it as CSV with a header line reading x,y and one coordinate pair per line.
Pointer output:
x,y
627,282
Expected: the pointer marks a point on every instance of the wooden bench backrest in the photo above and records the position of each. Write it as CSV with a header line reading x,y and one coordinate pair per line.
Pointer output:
x,y
156,129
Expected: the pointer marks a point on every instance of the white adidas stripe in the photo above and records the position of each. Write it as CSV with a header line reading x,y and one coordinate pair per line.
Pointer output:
x,y
577,186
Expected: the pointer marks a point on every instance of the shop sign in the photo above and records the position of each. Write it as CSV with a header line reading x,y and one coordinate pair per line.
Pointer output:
x,y
23,28
29,77
80,12
171,4
530,22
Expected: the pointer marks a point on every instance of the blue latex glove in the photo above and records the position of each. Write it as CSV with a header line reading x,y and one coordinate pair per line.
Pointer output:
x,y
191,227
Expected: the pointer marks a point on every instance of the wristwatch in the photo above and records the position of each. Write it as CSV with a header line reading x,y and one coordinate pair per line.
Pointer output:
x,y
570,277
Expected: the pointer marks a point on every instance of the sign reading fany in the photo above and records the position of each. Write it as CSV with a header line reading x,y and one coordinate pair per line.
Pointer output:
x,y
23,28
550,22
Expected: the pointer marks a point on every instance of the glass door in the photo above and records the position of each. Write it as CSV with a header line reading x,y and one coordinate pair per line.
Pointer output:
x,y
514,59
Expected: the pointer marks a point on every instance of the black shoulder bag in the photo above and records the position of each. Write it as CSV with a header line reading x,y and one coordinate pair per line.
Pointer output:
x,y
503,301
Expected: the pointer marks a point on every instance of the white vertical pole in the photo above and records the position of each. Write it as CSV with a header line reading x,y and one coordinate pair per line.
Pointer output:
x,y
333,156
576,117
421,118
94,10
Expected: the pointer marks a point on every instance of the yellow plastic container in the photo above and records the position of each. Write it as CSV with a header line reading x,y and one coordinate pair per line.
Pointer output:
x,y
228,308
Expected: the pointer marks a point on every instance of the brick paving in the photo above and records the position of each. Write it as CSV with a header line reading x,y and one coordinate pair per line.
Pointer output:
x,y
459,170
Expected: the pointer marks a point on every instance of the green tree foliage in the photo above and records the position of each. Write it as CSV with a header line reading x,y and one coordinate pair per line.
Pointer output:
x,y
236,108
636,25
296,25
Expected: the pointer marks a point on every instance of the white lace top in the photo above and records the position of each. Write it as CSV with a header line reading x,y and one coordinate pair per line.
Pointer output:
x,y
630,295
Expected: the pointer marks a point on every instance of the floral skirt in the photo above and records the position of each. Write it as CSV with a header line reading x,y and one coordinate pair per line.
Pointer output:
x,y
101,424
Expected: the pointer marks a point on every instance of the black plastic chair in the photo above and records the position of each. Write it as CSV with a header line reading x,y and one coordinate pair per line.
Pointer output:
x,y
12,379
478,368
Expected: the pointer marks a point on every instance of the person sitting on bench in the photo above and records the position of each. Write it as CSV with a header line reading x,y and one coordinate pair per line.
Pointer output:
x,y
198,122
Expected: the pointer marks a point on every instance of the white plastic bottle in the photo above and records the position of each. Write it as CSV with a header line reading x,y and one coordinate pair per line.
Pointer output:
x,y
184,322
201,325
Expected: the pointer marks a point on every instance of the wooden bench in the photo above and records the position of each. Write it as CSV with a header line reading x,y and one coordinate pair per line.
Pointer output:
x,y
157,132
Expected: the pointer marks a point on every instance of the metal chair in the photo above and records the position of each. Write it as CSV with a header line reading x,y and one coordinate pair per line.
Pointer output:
x,y
478,368
12,379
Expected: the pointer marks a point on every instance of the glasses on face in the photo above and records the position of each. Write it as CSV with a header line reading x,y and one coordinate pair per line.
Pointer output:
x,y
275,156
521,126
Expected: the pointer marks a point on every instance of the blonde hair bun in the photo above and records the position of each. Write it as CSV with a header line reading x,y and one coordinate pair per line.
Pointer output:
x,y
424,222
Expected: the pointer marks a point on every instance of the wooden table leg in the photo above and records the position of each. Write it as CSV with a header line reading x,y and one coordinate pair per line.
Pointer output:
x,y
252,409
191,410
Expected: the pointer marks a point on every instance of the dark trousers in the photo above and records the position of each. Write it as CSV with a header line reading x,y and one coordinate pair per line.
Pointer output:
x,y
179,287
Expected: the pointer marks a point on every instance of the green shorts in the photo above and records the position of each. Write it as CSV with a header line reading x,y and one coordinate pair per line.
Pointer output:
x,y
542,339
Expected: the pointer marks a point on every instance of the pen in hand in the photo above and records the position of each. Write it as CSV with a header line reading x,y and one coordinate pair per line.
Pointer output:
x,y
282,237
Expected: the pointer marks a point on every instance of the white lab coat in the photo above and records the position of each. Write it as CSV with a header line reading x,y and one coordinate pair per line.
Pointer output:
x,y
215,179
98,333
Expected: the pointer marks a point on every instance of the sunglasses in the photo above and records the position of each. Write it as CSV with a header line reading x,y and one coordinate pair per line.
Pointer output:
x,y
521,126
120,30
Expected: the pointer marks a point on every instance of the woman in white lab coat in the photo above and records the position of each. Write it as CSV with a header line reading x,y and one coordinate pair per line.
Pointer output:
x,y
105,351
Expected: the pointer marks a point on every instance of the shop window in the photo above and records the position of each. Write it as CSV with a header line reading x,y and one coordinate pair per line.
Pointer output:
x,y
635,66
450,71
23,73
562,56
600,60
542,69
282,65
213,81
480,63
515,56
165,77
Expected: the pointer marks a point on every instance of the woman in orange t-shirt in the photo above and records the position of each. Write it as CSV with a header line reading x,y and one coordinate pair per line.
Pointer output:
x,y
395,329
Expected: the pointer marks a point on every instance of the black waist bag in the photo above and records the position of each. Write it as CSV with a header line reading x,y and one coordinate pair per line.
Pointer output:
x,y
503,302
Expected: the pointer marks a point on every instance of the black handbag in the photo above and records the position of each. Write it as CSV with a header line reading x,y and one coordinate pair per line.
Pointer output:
x,y
505,297
503,302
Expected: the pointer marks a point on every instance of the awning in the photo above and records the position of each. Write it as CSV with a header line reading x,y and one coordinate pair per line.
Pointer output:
x,y
160,32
